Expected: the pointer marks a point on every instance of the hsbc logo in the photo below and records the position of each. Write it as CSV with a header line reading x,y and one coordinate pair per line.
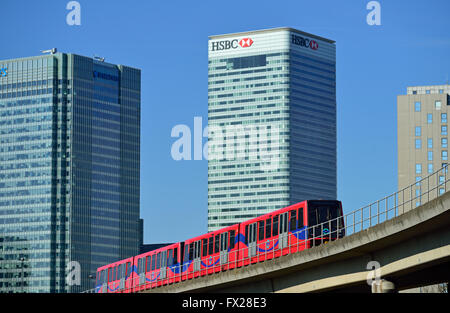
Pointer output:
x,y
245,42
231,44
304,42
3,72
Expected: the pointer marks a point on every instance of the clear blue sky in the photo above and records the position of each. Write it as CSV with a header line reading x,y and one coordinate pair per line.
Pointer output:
x,y
168,41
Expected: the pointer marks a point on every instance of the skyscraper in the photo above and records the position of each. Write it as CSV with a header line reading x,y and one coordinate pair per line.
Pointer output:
x,y
69,170
269,92
422,129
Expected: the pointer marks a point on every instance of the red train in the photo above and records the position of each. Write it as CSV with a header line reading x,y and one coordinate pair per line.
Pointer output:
x,y
288,230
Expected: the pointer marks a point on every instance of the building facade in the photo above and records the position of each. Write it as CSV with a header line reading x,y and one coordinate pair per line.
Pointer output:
x,y
272,104
69,170
422,116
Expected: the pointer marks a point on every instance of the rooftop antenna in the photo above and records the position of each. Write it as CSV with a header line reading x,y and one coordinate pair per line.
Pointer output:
x,y
51,51
99,58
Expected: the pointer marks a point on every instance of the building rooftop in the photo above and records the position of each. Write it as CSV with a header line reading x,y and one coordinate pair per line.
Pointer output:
x,y
272,30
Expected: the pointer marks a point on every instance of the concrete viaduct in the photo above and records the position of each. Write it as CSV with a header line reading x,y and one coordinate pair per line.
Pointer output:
x,y
412,250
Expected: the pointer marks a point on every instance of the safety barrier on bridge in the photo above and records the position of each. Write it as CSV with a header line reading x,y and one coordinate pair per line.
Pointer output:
x,y
404,200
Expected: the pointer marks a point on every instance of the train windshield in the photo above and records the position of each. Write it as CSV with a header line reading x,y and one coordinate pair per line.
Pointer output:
x,y
324,215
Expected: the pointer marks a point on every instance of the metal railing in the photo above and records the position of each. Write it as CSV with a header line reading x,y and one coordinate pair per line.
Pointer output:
x,y
368,216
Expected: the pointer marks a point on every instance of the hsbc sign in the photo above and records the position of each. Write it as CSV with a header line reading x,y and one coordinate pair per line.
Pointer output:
x,y
231,44
304,42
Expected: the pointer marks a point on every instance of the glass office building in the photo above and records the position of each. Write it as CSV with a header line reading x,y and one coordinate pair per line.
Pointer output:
x,y
283,81
69,170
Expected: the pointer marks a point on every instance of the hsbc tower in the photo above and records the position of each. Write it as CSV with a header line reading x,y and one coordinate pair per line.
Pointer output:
x,y
282,80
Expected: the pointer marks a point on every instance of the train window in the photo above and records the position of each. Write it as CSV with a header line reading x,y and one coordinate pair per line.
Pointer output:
x,y
158,260
128,269
186,253
246,234
293,221
268,227
175,256
300,218
149,263
170,258
216,244
232,238
139,265
119,274
275,226
261,230
210,245
204,247
191,251
153,262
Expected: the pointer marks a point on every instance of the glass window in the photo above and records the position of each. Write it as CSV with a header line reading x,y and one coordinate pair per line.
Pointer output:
x,y
211,245
275,226
216,244
268,228
427,91
414,92
441,90
232,239
418,131
430,143
418,168
437,105
444,118
444,130
417,105
300,218
293,221
429,118
441,179
430,168
444,142
418,144
444,155
205,247
261,230
441,191
430,155
418,179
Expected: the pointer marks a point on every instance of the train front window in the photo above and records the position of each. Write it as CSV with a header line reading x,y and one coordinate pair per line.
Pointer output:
x,y
321,214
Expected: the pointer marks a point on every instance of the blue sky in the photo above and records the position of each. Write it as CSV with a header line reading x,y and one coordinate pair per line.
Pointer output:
x,y
168,41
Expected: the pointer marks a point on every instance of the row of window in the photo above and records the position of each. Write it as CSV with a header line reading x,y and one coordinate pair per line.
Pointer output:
x,y
428,91
430,165
418,143
418,130
418,105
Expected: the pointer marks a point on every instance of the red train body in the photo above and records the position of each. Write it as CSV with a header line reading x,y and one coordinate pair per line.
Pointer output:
x,y
285,231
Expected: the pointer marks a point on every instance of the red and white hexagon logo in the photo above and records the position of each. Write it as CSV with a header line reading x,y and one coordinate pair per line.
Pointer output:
x,y
245,42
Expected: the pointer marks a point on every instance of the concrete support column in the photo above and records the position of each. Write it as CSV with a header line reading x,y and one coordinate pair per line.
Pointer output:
x,y
383,286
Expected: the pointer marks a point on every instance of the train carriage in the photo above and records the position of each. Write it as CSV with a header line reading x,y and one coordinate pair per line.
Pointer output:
x,y
157,267
210,253
289,230
285,231
115,277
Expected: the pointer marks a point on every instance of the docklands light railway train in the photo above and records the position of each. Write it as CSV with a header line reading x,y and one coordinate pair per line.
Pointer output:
x,y
281,232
